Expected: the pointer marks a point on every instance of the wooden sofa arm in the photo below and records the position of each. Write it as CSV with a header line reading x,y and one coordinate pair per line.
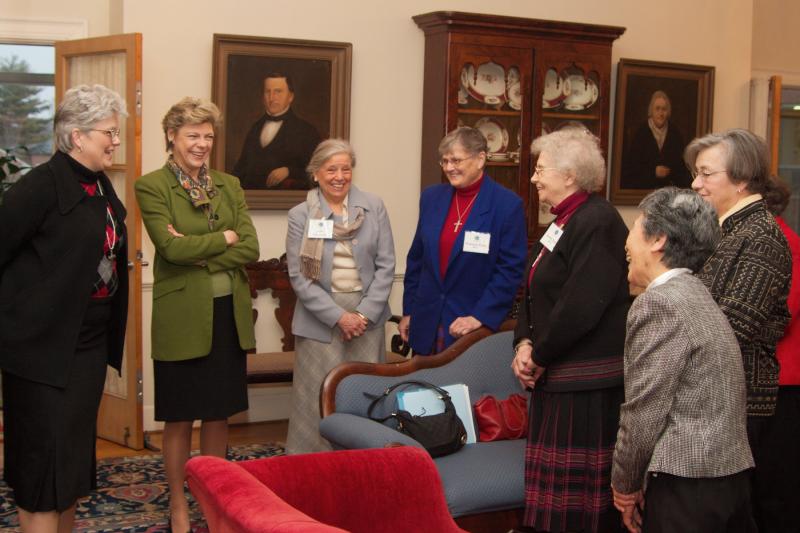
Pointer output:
x,y
418,362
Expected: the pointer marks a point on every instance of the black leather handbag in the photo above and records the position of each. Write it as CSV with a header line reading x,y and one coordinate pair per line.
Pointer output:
x,y
439,434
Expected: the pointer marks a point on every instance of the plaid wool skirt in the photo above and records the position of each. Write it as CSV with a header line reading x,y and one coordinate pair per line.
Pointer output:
x,y
568,461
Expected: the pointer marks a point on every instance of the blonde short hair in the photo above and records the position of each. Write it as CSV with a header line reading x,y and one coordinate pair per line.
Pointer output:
x,y
189,111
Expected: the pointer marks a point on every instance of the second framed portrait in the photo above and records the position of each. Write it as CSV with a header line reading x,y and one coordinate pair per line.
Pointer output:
x,y
660,107
279,99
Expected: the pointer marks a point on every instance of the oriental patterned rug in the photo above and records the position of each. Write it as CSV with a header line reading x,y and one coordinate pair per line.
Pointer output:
x,y
131,496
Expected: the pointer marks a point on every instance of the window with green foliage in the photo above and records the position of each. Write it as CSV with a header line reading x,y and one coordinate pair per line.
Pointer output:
x,y
27,104
27,100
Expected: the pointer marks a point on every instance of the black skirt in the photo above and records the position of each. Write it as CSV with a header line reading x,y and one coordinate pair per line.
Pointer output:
x,y
50,432
571,439
212,387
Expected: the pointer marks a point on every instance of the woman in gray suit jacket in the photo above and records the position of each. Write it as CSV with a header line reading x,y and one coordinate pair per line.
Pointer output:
x,y
340,255
682,431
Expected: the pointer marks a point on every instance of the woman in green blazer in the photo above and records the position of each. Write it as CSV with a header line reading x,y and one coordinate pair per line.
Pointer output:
x,y
202,319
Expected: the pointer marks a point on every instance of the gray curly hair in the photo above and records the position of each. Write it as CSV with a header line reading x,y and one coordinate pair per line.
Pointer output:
x,y
687,221
574,150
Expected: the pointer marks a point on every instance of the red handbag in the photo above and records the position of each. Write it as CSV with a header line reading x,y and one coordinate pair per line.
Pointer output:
x,y
501,419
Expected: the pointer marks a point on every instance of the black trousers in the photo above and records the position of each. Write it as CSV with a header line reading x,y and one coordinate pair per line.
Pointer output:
x,y
698,505
775,443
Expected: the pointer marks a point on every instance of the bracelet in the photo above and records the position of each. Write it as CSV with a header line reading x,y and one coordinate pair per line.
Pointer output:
x,y
365,319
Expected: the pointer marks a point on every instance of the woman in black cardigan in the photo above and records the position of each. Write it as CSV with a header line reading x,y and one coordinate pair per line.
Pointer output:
x,y
570,339
63,307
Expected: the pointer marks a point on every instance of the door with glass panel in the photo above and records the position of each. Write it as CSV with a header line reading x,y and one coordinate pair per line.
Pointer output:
x,y
116,62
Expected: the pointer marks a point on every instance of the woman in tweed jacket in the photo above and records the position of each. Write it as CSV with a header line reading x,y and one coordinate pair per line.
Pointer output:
x,y
750,272
682,426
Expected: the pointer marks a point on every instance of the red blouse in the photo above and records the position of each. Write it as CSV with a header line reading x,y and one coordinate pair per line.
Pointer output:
x,y
463,200
788,349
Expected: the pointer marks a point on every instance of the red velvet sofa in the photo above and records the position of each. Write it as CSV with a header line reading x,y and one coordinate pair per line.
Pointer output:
x,y
383,490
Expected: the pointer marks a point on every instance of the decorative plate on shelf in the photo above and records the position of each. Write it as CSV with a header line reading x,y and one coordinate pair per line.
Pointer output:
x,y
514,89
571,124
496,134
515,96
556,89
487,84
583,93
463,97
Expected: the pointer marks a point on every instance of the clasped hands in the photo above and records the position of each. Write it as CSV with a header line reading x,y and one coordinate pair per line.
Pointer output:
x,y
526,370
352,325
458,328
631,506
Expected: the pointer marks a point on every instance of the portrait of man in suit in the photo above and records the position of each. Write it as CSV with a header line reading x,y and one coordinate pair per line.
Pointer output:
x,y
279,144
654,154
660,108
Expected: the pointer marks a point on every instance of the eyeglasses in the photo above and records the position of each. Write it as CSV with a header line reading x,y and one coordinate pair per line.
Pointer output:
x,y
443,162
111,134
540,170
705,174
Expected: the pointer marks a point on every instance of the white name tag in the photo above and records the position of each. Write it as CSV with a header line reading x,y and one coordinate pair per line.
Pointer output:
x,y
320,228
477,242
551,236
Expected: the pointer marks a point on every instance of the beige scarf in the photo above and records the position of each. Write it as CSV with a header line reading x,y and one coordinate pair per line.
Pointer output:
x,y
311,249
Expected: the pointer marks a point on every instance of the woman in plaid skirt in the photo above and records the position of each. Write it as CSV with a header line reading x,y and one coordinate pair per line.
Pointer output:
x,y
569,340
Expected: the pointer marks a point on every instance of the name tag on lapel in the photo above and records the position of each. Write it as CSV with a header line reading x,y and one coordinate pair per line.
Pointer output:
x,y
320,228
551,236
476,242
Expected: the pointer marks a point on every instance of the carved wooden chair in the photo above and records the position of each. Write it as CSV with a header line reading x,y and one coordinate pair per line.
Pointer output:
x,y
277,367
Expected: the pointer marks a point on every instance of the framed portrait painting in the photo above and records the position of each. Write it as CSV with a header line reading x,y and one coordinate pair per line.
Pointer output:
x,y
279,98
660,108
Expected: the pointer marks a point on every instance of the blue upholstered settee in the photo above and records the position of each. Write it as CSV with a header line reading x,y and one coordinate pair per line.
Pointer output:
x,y
481,478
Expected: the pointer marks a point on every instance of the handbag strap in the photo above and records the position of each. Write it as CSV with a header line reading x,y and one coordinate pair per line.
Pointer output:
x,y
443,395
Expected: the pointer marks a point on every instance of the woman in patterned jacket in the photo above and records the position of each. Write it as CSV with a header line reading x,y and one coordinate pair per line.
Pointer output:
x,y
750,271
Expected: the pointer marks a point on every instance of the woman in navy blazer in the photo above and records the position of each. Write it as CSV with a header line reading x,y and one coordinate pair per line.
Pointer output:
x,y
468,253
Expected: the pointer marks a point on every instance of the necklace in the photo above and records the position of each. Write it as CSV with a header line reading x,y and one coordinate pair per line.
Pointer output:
x,y
458,223
112,241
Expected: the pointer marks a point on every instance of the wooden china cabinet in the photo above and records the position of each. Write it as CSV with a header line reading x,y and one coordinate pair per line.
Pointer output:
x,y
514,79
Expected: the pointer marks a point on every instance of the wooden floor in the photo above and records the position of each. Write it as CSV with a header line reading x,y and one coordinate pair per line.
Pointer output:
x,y
257,433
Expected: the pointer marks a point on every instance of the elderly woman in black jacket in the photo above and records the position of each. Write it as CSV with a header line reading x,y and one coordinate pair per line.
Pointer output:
x,y
570,338
63,307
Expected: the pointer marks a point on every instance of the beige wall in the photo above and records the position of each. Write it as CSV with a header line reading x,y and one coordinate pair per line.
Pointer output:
x,y
387,69
387,78
97,13
776,39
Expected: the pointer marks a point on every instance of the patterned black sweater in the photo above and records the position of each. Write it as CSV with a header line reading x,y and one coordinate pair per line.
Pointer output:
x,y
749,275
